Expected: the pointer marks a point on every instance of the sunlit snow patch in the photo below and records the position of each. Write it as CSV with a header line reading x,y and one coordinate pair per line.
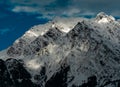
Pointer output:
x,y
64,28
30,33
103,20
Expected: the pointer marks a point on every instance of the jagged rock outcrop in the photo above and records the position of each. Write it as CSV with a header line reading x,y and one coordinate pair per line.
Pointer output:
x,y
74,52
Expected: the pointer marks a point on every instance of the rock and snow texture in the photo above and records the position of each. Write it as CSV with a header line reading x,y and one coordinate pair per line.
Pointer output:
x,y
75,52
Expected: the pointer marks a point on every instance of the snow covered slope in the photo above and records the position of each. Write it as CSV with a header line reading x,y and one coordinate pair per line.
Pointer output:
x,y
74,52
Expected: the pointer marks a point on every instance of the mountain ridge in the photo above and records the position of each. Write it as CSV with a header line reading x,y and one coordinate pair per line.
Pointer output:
x,y
66,53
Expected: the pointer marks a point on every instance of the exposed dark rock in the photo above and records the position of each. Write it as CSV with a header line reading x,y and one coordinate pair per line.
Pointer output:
x,y
53,34
17,70
59,79
92,82
13,74
41,77
5,79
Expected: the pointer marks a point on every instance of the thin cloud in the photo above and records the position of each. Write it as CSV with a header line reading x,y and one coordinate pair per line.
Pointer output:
x,y
26,9
64,7
72,12
4,31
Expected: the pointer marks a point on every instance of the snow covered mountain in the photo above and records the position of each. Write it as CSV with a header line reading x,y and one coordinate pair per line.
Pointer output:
x,y
66,52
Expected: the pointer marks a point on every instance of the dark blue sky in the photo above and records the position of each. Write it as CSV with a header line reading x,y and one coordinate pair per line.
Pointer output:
x,y
17,16
14,25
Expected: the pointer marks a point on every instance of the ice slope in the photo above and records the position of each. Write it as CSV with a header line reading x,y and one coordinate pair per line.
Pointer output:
x,y
66,52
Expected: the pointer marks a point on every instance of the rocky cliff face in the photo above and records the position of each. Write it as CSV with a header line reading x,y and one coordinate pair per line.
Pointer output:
x,y
73,52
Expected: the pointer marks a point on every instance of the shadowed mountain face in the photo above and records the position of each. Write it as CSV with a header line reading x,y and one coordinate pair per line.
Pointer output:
x,y
13,74
73,52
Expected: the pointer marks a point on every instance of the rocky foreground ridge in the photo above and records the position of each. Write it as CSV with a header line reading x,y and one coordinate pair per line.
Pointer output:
x,y
65,52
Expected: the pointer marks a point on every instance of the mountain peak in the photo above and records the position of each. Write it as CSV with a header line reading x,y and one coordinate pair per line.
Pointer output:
x,y
104,18
102,14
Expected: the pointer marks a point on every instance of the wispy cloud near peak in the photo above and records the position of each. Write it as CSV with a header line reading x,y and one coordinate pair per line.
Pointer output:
x,y
64,7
